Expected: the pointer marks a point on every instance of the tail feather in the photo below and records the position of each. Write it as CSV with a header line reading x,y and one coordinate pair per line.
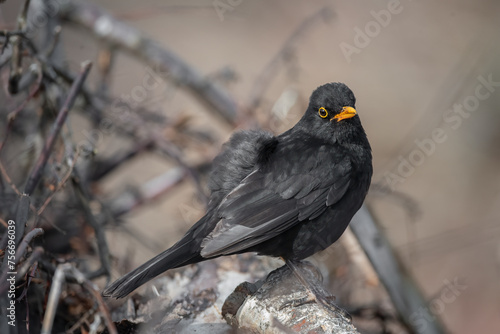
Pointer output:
x,y
179,255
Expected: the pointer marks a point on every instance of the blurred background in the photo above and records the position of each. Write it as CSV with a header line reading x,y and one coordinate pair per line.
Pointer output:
x,y
426,76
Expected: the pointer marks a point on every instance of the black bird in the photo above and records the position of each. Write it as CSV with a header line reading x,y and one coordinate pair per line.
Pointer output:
x,y
288,196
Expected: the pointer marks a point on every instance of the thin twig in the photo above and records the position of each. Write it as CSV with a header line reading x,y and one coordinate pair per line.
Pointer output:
x,y
9,180
8,34
146,241
3,172
15,65
103,167
102,244
12,115
168,149
105,62
97,104
27,306
162,60
147,193
3,222
50,49
22,215
94,290
35,255
60,184
26,241
19,254
36,173
80,321
55,293
270,70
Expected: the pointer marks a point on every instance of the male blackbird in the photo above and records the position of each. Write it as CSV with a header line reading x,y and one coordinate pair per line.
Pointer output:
x,y
290,195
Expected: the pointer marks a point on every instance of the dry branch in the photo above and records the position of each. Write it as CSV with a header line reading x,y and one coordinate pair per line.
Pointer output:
x,y
121,36
55,293
21,250
36,173
15,65
12,115
403,291
97,224
35,255
258,307
269,71
147,193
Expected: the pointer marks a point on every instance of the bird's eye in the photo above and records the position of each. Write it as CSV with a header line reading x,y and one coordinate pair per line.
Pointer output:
x,y
322,112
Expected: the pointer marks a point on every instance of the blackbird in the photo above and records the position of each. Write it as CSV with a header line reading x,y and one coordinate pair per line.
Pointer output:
x,y
287,196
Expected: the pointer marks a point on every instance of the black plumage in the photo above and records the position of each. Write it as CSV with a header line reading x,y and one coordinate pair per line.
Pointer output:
x,y
290,195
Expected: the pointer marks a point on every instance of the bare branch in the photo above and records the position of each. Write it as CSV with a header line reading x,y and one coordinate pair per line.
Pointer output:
x,y
12,115
36,173
270,70
59,185
148,192
94,290
161,59
50,49
15,68
267,304
55,293
97,225
19,254
26,241
11,183
3,222
37,252
103,167
403,291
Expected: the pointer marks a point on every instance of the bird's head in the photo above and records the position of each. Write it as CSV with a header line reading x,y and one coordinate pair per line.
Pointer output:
x,y
331,113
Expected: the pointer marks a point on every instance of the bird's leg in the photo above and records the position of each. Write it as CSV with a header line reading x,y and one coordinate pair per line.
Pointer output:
x,y
314,294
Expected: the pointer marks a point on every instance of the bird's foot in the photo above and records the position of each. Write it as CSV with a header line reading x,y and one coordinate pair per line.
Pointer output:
x,y
314,294
296,302
328,303
320,298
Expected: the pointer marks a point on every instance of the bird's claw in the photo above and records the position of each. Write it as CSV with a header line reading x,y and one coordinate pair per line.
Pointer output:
x,y
325,301
296,302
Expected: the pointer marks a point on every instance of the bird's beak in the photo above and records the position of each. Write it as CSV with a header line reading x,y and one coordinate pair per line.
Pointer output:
x,y
347,112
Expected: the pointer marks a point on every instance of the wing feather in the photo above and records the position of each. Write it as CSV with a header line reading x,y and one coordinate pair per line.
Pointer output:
x,y
270,201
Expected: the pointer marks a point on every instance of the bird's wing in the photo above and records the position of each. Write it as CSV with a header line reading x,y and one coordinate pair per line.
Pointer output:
x,y
268,202
237,159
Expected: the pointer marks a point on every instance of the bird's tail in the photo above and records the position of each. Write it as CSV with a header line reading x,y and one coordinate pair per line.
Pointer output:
x,y
181,254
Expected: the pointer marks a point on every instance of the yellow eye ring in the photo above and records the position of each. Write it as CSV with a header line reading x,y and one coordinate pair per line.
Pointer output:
x,y
322,112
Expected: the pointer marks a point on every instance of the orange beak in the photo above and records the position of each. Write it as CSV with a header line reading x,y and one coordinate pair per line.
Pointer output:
x,y
347,112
